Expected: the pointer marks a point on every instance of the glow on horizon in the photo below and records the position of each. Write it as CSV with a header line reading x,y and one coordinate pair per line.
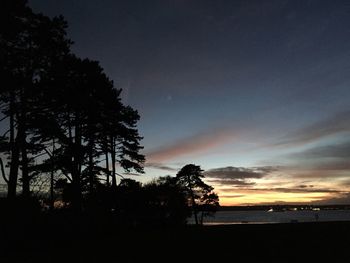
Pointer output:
x,y
269,190
249,198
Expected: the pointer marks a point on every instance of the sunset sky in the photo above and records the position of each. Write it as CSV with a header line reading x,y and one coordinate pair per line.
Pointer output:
x,y
255,92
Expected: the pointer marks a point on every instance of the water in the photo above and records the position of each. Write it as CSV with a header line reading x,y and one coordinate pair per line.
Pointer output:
x,y
264,217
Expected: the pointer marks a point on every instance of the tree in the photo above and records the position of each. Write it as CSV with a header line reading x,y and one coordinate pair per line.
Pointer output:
x,y
90,123
29,43
63,113
198,192
208,205
160,202
168,201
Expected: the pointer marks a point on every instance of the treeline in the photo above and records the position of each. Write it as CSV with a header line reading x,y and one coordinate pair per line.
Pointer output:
x,y
65,131
166,200
62,114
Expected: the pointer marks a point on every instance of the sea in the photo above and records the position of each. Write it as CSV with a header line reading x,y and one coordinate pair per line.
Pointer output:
x,y
266,217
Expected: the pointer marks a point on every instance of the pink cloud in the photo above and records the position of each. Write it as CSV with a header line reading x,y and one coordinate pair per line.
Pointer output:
x,y
196,144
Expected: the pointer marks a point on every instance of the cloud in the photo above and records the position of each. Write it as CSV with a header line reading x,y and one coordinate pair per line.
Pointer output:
x,y
231,182
339,150
337,123
196,144
305,186
301,190
236,176
322,159
231,172
336,165
322,168
346,183
161,167
344,199
319,172
232,196
291,190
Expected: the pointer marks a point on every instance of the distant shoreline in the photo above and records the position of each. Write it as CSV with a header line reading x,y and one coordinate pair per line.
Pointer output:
x,y
283,207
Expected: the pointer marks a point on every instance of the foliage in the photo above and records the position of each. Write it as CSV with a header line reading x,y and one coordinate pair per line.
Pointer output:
x,y
63,113
201,197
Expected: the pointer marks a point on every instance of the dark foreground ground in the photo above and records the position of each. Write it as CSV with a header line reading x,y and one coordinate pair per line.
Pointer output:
x,y
76,240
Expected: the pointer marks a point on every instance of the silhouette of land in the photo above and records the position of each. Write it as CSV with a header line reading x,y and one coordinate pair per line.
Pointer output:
x,y
71,238
283,207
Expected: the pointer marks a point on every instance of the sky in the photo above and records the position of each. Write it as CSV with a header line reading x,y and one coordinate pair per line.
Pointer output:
x,y
255,92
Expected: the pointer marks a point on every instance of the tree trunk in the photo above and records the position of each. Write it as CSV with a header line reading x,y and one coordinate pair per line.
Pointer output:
x,y
194,205
76,191
3,172
107,168
91,166
77,168
12,186
22,119
13,175
114,179
194,208
25,173
52,198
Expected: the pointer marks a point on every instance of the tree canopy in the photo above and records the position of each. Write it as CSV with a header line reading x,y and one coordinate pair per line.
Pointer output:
x,y
200,195
63,114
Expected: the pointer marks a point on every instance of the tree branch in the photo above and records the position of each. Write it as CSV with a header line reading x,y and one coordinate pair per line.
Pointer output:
x,y
120,175
3,136
4,118
3,171
48,152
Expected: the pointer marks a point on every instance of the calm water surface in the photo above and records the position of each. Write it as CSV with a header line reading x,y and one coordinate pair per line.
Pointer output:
x,y
264,217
